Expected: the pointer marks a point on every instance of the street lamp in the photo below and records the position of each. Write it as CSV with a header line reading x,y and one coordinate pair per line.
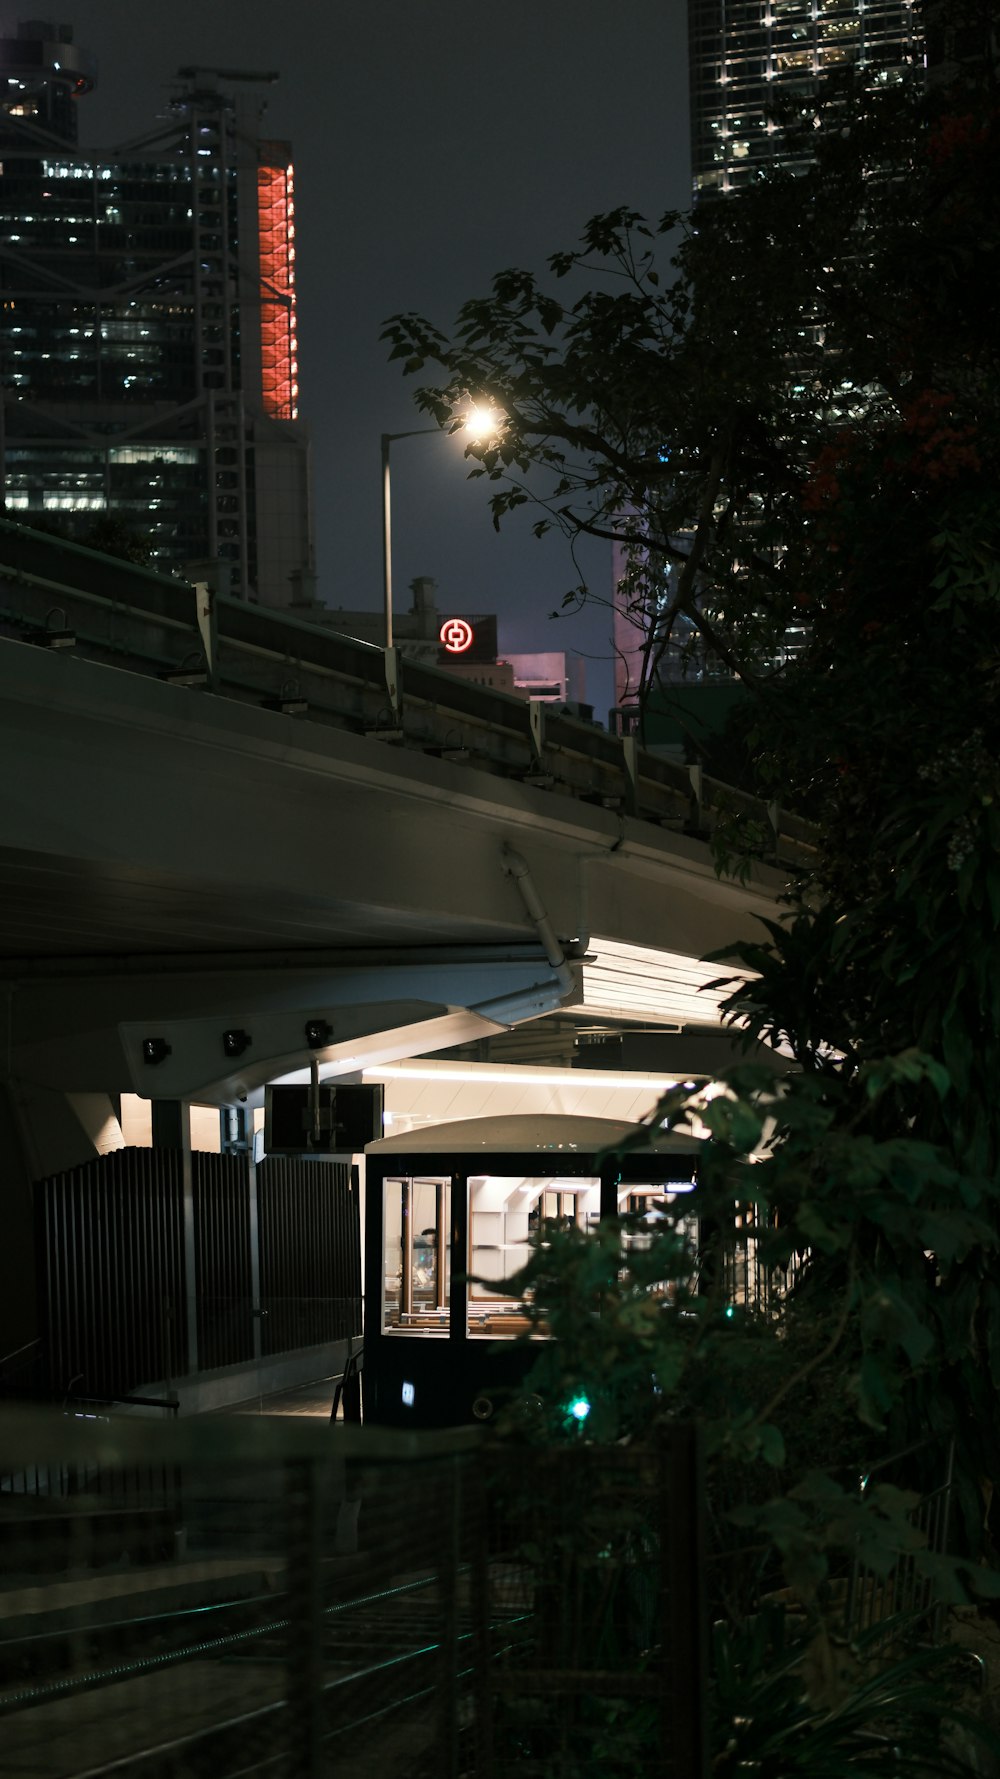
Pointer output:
x,y
480,423
389,438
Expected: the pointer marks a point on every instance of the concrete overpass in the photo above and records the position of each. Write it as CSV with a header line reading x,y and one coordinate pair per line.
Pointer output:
x,y
220,826
217,820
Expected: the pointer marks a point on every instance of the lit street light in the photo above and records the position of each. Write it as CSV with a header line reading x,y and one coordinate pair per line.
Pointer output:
x,y
480,423
389,438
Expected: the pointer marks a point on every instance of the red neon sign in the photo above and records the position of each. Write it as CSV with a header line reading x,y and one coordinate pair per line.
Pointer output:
x,y
455,635
278,345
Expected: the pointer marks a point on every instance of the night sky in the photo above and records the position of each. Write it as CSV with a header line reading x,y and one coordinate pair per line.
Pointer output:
x,y
435,144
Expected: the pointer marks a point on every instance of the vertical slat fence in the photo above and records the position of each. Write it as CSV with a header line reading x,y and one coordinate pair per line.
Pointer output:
x,y
109,1249
310,1263
223,1269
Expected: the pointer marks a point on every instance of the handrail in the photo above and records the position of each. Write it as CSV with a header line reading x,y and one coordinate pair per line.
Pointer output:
x,y
17,1351
68,1402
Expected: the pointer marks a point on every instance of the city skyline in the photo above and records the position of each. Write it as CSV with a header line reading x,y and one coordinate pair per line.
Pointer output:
x,y
149,328
429,153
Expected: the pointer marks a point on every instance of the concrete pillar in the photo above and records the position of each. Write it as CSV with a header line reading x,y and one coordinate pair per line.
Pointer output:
x,y
171,1129
18,1301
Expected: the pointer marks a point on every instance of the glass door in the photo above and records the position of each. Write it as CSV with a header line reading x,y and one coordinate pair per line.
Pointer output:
x,y
416,1254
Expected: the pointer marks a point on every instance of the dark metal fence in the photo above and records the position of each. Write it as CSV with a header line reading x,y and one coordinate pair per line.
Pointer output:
x,y
110,1251
354,1601
598,1657
747,1280
310,1251
906,1593
222,1207
150,1271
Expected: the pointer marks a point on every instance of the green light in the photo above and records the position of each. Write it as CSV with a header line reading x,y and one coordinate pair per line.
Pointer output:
x,y
579,1408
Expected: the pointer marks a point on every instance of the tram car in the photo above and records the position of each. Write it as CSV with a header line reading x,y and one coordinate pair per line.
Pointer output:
x,y
449,1212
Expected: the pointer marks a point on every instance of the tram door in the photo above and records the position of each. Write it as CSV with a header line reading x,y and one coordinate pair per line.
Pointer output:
x,y
416,1254
442,1344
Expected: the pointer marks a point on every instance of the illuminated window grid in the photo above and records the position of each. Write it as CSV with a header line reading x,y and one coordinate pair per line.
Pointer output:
x,y
278,344
742,50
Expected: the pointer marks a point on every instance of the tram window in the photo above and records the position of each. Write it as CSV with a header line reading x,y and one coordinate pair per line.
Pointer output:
x,y
656,1206
504,1212
416,1254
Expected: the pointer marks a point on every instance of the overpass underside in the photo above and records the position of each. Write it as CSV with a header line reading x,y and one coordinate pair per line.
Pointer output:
x,y
224,832
177,865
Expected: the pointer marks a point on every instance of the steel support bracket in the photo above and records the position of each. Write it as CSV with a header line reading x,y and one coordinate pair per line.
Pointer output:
x,y
392,681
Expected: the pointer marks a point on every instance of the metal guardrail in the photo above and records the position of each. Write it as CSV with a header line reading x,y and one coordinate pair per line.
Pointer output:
x,y
312,1600
62,596
906,1593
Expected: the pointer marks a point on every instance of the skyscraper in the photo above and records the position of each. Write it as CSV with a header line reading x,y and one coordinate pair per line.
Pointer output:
x,y
743,51
147,322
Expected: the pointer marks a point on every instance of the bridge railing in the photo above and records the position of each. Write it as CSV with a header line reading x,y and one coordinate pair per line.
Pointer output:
x,y
62,596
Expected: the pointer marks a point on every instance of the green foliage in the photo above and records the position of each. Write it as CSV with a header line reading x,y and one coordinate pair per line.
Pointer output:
x,y
855,1339
793,1703
845,1200
793,424
649,395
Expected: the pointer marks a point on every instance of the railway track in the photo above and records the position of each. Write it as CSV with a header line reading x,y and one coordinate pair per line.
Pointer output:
x,y
208,1688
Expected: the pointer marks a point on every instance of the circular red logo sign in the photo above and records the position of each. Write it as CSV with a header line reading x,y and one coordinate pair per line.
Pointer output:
x,y
455,635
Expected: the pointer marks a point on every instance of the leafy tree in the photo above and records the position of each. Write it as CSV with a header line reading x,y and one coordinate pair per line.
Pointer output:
x,y
701,413
106,532
804,418
795,426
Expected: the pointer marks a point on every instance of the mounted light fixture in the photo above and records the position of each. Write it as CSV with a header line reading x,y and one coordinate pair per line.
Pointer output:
x,y
319,1033
235,1041
53,639
154,1050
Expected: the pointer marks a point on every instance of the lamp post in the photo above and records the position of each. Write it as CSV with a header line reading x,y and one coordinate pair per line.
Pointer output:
x,y
479,423
389,438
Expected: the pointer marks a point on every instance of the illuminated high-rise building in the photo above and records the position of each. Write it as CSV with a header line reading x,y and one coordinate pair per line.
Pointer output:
x,y
743,51
740,54
147,322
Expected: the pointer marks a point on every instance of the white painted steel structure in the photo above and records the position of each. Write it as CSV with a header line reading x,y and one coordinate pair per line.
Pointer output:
x,y
175,865
217,825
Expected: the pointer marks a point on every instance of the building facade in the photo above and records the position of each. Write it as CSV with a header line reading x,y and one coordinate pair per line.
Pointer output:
x,y
147,324
742,52
741,55
464,644
551,675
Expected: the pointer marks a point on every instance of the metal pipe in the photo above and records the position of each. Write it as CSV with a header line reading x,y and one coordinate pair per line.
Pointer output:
x,y
406,1246
387,439
386,542
315,1127
440,1239
517,867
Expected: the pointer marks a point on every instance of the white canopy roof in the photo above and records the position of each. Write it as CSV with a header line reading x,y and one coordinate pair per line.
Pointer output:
x,y
532,1133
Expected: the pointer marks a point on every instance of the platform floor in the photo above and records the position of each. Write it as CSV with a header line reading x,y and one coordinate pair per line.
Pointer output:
x,y
314,1400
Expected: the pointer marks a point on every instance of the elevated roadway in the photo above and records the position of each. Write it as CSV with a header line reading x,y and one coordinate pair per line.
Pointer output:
x,y
220,823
